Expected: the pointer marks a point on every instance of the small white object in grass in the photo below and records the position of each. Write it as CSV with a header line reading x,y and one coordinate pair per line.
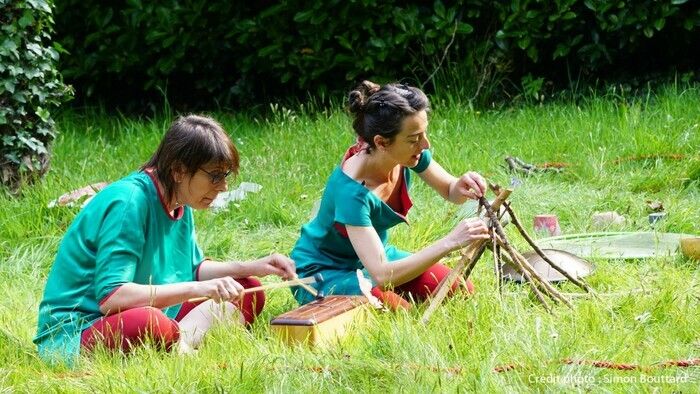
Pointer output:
x,y
604,219
366,289
223,199
643,317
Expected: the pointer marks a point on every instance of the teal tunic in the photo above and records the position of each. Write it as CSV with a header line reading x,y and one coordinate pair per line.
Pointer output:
x,y
125,234
324,246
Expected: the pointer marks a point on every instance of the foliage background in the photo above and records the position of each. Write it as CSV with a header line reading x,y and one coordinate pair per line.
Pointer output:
x,y
199,52
30,86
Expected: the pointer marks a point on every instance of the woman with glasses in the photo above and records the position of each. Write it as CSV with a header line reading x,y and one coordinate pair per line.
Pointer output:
x,y
129,262
367,194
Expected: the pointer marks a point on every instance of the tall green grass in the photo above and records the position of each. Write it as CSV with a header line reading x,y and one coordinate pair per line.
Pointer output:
x,y
291,152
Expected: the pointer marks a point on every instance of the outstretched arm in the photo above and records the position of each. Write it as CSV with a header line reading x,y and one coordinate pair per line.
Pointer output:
x,y
274,264
470,185
133,295
370,250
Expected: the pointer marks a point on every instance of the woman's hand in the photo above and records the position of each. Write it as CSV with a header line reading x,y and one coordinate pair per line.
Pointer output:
x,y
220,289
276,264
471,185
466,232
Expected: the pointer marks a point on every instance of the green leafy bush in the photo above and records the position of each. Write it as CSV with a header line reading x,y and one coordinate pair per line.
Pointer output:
x,y
200,51
30,87
596,33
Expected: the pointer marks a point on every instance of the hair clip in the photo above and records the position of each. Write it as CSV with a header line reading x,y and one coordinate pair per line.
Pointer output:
x,y
382,104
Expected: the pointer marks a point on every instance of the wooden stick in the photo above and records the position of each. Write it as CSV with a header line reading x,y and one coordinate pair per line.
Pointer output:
x,y
472,262
496,259
499,270
289,283
308,288
526,276
546,287
552,292
580,283
519,259
466,261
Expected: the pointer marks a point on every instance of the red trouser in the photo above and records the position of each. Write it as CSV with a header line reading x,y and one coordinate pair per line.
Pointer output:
x,y
131,327
420,288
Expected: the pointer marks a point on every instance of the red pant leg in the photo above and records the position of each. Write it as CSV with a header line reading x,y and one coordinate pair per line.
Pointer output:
x,y
426,283
251,305
132,327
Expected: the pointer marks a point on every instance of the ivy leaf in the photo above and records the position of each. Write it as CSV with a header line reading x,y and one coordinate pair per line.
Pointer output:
x,y
43,114
8,47
40,5
9,86
36,48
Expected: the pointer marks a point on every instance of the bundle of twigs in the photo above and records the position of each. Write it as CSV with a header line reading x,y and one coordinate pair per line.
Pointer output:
x,y
499,242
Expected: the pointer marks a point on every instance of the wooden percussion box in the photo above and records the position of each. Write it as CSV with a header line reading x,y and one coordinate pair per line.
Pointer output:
x,y
320,322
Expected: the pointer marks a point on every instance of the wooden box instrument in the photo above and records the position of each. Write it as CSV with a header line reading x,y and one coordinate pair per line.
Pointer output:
x,y
320,322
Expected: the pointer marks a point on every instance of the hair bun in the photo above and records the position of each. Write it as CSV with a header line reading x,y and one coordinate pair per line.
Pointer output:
x,y
370,87
357,99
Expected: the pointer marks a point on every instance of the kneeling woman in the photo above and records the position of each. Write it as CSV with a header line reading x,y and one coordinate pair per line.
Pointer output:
x,y
129,262
367,194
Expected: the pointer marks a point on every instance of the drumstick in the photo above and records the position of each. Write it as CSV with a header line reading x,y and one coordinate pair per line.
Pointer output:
x,y
307,287
304,282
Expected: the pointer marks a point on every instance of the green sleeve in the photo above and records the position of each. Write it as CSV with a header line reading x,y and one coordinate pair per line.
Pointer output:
x,y
352,209
120,242
425,159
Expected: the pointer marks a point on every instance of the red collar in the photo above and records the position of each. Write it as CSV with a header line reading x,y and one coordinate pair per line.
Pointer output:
x,y
178,212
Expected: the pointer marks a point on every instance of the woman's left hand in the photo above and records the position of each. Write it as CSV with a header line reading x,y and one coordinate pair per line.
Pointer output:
x,y
471,185
276,264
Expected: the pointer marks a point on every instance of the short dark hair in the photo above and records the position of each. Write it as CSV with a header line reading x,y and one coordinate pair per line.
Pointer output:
x,y
381,110
190,142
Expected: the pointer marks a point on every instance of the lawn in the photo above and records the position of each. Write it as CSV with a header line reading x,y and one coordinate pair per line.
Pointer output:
x,y
647,312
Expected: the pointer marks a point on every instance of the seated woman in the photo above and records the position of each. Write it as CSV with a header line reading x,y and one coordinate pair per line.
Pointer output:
x,y
367,194
129,262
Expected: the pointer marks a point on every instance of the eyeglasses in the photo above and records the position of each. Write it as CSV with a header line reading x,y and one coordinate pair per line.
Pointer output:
x,y
216,177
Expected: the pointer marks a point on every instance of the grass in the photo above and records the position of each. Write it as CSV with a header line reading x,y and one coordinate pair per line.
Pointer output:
x,y
292,152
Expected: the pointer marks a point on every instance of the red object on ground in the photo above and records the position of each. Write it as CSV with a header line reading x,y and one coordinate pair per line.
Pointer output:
x,y
548,224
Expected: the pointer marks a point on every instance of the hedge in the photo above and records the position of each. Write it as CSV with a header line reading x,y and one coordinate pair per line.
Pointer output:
x,y
201,52
30,88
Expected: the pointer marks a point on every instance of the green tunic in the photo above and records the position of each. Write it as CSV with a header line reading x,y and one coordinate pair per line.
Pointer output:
x,y
125,234
324,246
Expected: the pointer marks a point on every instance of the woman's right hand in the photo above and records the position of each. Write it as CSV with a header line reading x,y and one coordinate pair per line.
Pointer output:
x,y
220,289
466,232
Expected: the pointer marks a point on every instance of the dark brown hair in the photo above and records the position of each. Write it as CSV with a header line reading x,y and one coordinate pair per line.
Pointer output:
x,y
381,110
191,142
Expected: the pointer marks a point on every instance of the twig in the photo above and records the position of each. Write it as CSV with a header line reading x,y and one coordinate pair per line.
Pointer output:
x,y
539,251
444,53
496,258
444,286
519,259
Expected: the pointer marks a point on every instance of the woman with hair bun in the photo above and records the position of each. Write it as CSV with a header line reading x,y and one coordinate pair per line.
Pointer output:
x,y
367,194
129,262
